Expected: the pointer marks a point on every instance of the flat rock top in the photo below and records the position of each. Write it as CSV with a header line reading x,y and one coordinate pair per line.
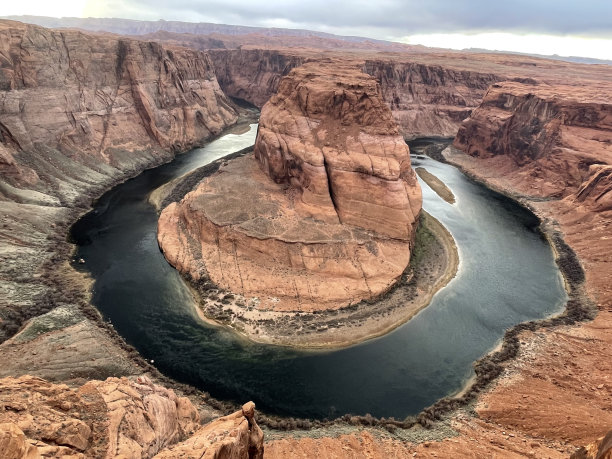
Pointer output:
x,y
242,196
594,93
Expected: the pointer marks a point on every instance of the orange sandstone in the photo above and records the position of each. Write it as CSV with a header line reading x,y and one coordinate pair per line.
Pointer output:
x,y
324,213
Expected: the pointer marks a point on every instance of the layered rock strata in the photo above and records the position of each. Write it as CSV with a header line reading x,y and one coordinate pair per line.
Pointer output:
x,y
425,99
323,215
556,140
117,417
79,113
550,147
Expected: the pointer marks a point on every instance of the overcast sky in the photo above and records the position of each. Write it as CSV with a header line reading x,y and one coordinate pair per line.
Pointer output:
x,y
562,27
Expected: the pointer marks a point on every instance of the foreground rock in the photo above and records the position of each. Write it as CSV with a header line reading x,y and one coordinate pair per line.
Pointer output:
x,y
329,202
115,418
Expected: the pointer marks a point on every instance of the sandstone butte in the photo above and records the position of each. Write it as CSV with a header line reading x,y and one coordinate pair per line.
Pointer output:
x,y
323,215
553,398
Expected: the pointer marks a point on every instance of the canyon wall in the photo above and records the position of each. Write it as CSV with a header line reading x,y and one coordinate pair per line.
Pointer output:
x,y
429,99
425,99
550,146
78,108
253,74
329,202
556,140
79,113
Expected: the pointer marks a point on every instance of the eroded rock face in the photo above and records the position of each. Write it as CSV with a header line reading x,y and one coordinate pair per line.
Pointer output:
x,y
425,99
81,103
115,418
328,133
429,99
324,213
554,139
78,113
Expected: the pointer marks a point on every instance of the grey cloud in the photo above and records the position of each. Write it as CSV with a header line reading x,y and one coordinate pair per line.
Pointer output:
x,y
395,17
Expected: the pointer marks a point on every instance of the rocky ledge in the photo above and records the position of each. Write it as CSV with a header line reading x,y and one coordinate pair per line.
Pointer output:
x,y
328,203
118,417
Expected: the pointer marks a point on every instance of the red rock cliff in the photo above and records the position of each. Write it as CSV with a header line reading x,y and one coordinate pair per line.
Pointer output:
x,y
78,113
334,139
81,109
554,139
425,99
332,214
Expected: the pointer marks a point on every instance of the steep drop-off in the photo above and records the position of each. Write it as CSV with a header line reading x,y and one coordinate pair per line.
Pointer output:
x,y
425,99
551,147
117,417
329,202
78,113
551,138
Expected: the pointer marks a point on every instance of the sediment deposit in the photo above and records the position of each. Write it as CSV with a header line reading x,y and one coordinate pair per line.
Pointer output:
x,y
329,202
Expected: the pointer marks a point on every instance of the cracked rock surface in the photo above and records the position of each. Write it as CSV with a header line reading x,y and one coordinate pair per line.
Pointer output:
x,y
328,202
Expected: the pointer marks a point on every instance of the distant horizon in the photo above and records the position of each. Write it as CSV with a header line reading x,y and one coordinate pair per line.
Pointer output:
x,y
559,30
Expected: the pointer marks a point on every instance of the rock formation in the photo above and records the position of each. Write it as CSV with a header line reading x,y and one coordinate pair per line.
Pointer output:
x,y
552,138
329,204
115,418
77,106
425,99
79,113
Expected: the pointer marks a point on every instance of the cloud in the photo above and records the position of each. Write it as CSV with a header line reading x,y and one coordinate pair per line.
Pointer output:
x,y
382,18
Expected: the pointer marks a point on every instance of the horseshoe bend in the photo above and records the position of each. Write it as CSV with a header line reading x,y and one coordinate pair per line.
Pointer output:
x,y
327,202
293,218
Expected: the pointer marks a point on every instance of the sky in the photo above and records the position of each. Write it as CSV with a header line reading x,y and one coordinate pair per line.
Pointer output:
x,y
563,27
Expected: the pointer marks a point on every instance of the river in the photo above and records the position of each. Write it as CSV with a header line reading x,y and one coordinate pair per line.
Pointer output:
x,y
507,275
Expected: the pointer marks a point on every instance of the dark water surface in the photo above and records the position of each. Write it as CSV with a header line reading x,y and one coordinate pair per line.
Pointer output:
x,y
506,276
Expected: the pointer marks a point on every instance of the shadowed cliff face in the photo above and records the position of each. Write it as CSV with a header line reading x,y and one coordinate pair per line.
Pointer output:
x,y
79,113
555,138
254,74
426,100
75,107
329,203
429,100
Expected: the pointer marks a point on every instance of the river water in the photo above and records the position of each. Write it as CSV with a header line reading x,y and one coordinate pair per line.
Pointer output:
x,y
506,276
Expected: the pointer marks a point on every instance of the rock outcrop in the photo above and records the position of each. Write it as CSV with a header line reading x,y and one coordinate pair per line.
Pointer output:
x,y
553,139
329,202
118,417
